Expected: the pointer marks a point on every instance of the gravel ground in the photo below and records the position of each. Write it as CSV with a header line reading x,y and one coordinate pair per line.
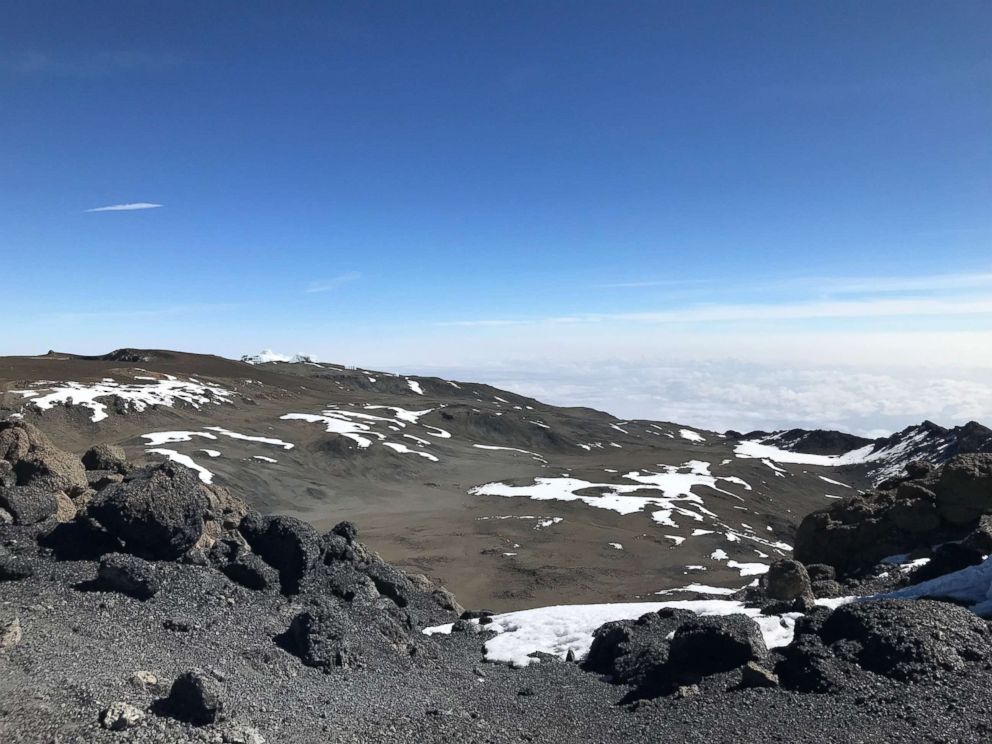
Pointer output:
x,y
81,648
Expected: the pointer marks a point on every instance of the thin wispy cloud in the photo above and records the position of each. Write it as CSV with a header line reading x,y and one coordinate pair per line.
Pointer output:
x,y
335,282
130,207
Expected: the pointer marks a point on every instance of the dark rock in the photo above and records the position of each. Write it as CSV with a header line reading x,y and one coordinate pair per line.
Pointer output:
x,y
36,461
465,626
251,571
827,589
129,575
8,479
289,545
347,530
821,572
707,645
390,582
105,457
336,548
29,504
195,698
633,651
157,512
100,479
918,469
915,509
476,614
809,666
755,675
82,539
946,559
786,580
12,567
980,538
909,639
964,488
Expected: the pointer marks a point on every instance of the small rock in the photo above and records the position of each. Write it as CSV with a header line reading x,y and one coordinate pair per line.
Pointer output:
x,y
196,698
787,579
755,675
144,680
10,633
65,510
129,575
13,568
686,691
119,716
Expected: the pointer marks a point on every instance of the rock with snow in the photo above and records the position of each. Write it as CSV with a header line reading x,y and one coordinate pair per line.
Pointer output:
x,y
632,651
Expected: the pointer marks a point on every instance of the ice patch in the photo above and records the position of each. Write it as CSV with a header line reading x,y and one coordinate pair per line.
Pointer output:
x,y
562,629
692,436
248,438
158,438
153,392
618,546
263,458
534,455
415,387
402,448
205,475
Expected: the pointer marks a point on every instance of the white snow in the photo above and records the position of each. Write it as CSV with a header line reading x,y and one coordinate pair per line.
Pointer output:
x,y
670,489
699,589
749,569
415,387
563,628
158,438
534,455
719,555
210,452
403,414
691,435
830,480
150,392
248,438
972,586
263,458
406,450
675,539
337,423
618,546
205,475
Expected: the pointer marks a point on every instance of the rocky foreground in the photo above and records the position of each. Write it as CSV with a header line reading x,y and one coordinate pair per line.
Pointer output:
x,y
140,604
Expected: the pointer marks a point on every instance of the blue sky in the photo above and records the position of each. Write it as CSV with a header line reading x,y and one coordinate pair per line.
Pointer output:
x,y
472,183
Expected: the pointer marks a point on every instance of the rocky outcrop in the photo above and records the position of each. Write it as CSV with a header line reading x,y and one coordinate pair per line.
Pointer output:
x,y
289,545
157,512
106,457
933,506
36,461
195,697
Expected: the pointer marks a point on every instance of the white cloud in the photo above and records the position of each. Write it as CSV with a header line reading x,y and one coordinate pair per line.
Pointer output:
x,y
727,394
132,206
329,285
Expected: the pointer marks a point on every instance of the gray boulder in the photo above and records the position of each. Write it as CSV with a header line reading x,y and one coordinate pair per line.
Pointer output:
x,y
633,651
787,580
157,512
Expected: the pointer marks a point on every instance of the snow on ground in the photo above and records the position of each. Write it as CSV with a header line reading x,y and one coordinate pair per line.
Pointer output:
x,y
700,589
889,461
535,455
618,546
210,452
972,586
263,458
415,387
670,489
151,391
205,475
832,481
749,569
402,448
249,438
563,628
158,438
691,435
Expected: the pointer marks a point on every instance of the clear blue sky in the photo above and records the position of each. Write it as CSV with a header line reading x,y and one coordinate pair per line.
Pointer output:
x,y
379,181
